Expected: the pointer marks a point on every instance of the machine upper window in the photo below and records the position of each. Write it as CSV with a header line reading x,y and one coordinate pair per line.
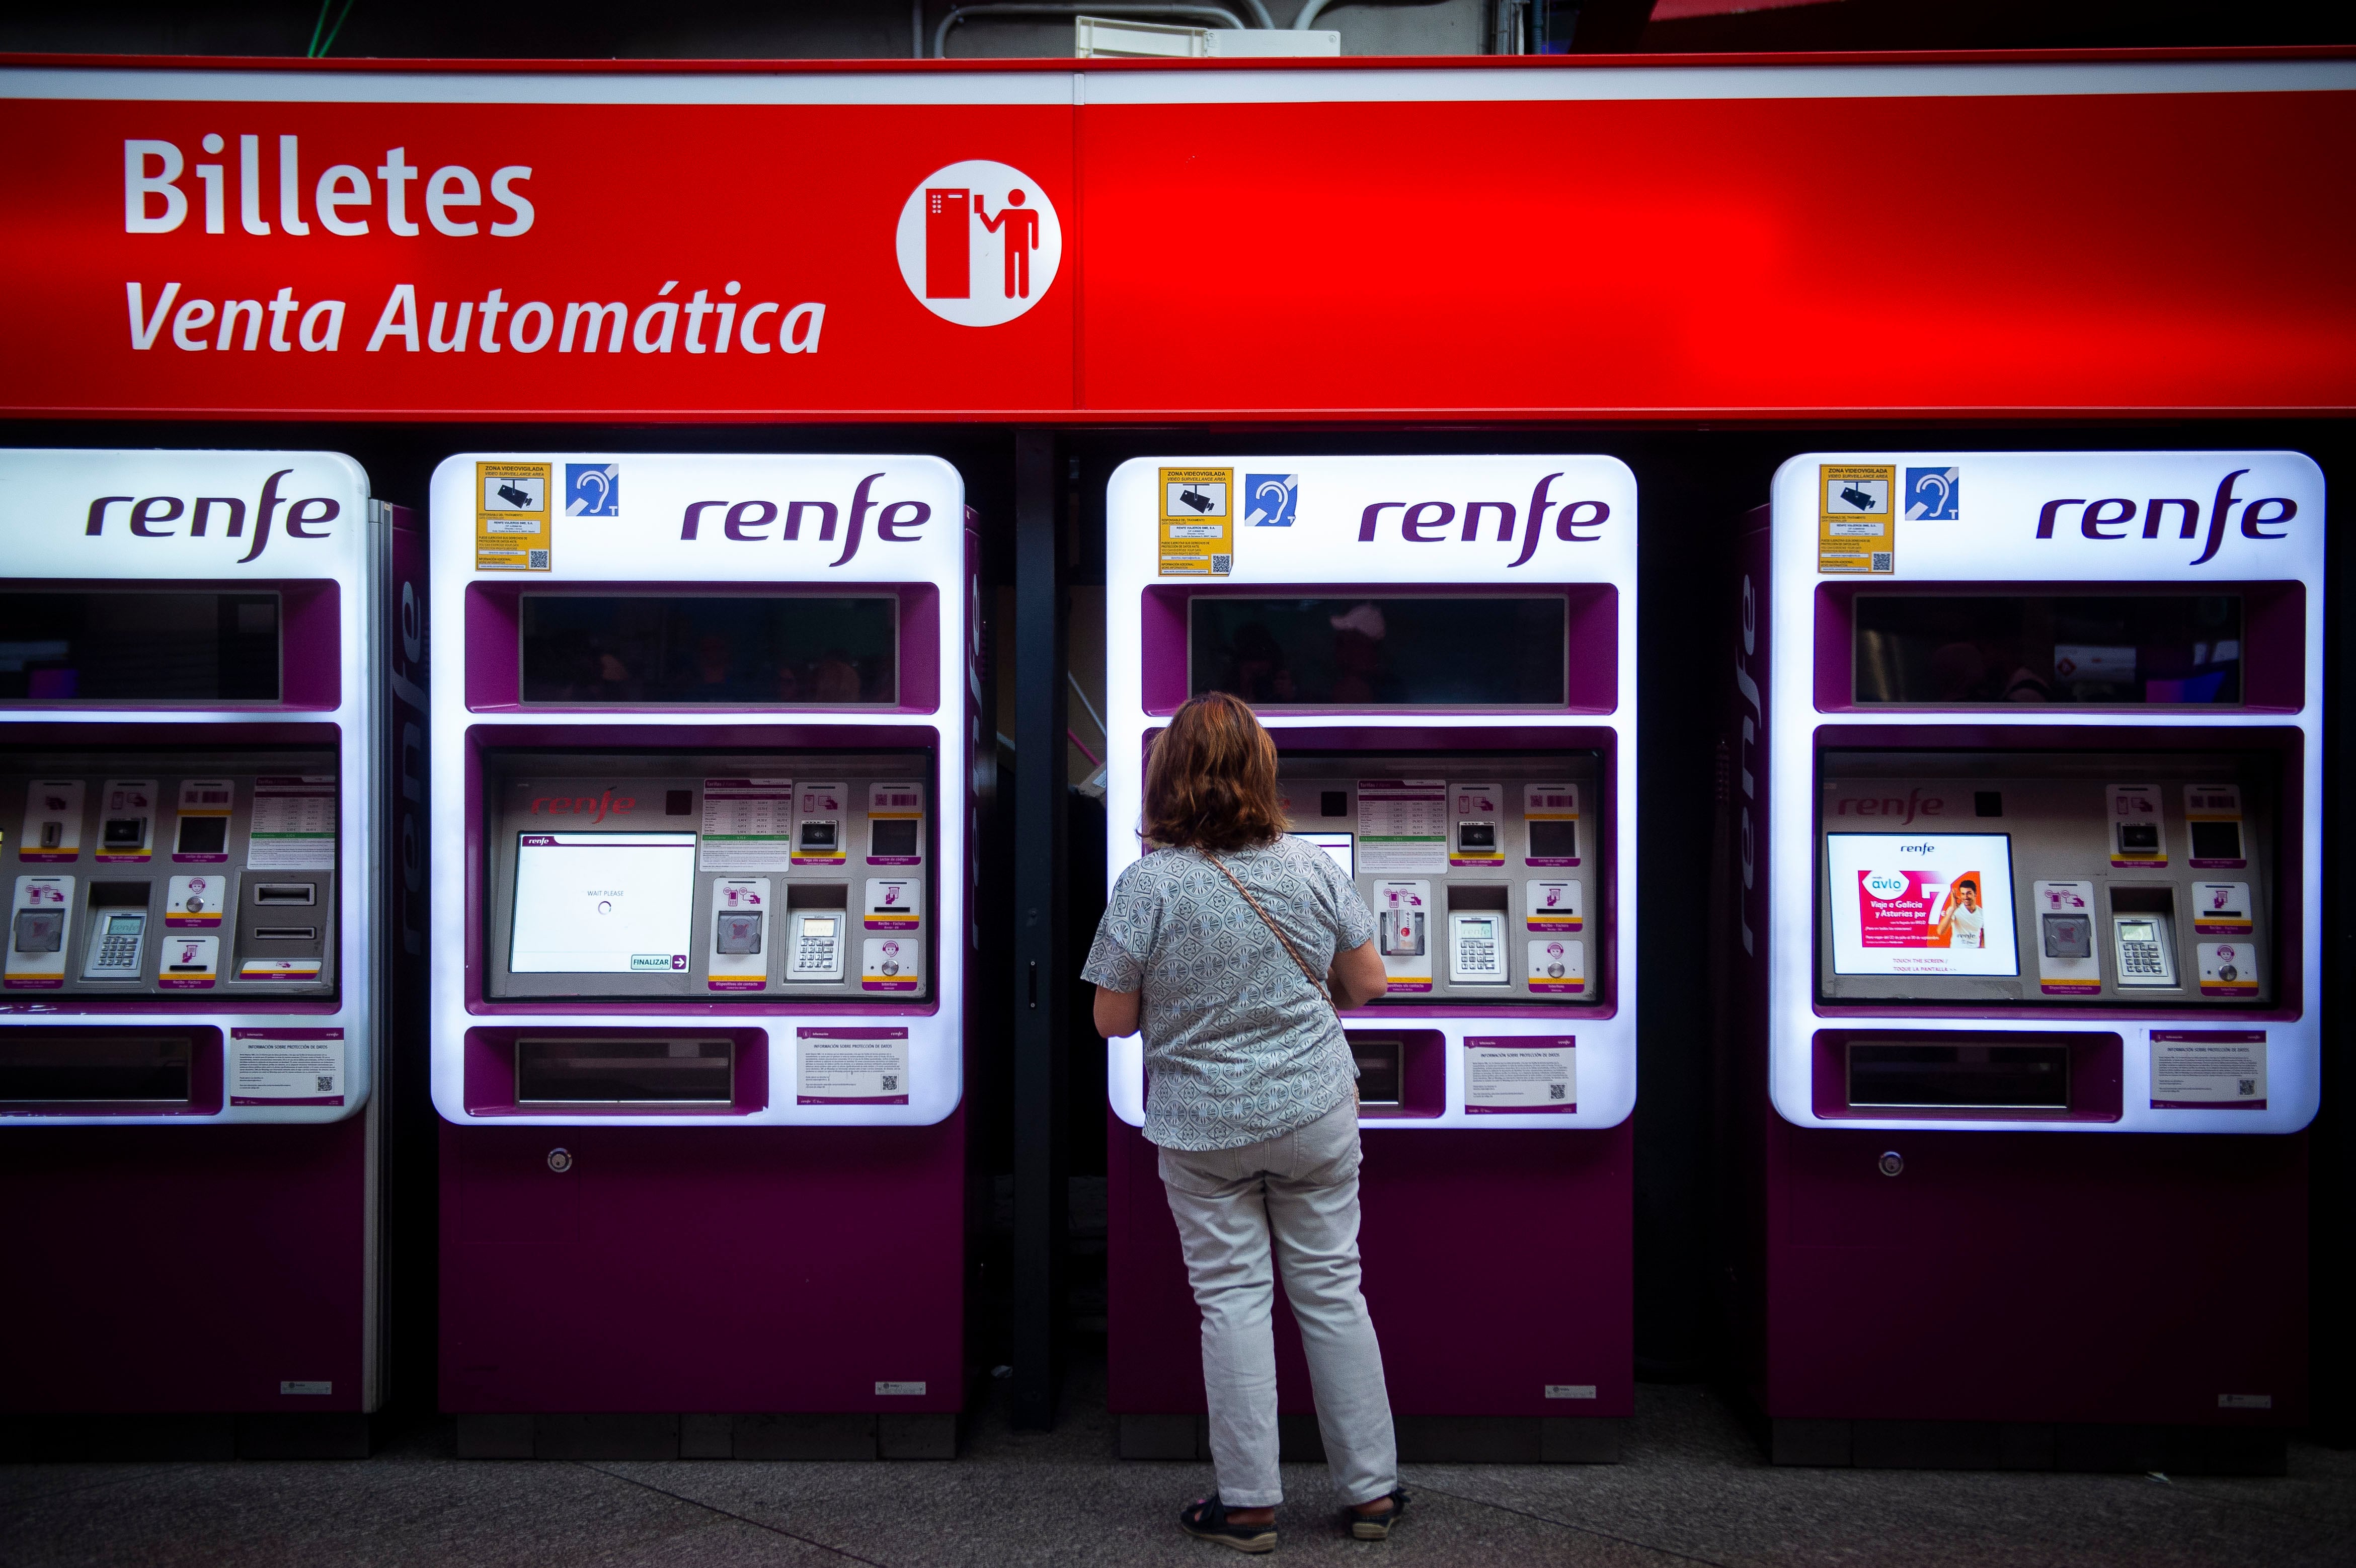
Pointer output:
x,y
1411,652
126,645
806,650
1960,650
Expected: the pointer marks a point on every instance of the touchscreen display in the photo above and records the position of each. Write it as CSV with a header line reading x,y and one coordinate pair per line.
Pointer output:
x,y
1922,903
603,903
1338,848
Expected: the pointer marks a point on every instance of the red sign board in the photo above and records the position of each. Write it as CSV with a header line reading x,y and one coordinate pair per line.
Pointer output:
x,y
1525,240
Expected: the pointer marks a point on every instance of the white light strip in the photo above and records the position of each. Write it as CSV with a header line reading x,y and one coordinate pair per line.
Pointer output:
x,y
1442,84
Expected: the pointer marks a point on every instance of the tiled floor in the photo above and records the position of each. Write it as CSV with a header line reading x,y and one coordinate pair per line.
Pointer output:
x,y
1692,1490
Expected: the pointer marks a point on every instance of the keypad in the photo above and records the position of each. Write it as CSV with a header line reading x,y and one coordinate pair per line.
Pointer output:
x,y
2142,959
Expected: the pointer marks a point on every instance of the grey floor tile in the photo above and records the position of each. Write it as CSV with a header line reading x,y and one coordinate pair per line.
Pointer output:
x,y
21,1483
327,1515
1693,1490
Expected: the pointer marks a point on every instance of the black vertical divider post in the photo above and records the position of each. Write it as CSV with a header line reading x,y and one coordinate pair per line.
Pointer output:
x,y
1040,956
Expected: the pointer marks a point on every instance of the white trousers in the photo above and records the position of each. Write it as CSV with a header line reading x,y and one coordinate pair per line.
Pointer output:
x,y
1294,1196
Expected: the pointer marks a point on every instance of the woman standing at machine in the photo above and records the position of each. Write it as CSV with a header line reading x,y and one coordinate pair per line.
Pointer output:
x,y
1215,947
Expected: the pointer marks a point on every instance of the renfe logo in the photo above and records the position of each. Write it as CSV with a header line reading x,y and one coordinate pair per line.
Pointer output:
x,y
2108,519
594,807
1428,523
749,521
148,516
1891,806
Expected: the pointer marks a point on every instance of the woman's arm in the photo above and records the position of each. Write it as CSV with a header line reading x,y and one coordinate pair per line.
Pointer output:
x,y
1356,978
1117,1012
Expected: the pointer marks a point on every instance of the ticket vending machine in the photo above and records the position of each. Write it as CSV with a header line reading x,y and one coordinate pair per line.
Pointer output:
x,y
2026,765
193,686
702,804
1444,648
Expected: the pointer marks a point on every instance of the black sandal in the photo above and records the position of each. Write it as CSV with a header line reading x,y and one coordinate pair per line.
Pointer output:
x,y
1379,1527
1207,1517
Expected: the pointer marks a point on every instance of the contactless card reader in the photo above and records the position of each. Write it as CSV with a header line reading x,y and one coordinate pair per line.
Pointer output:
x,y
816,953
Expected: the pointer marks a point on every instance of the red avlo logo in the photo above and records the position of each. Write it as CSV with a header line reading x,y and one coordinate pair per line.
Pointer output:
x,y
979,243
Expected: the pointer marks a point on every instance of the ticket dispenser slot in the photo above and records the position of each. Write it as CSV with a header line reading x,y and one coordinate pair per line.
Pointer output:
x,y
1378,1062
116,945
2143,934
634,1071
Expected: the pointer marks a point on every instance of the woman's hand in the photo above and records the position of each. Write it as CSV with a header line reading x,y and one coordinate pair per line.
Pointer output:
x,y
1117,1012
1356,978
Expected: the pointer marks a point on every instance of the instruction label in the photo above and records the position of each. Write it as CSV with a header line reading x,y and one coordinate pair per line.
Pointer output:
x,y
1521,1075
294,824
200,837
1857,531
1402,826
2207,1070
854,1065
748,826
285,1067
513,530
52,822
1198,526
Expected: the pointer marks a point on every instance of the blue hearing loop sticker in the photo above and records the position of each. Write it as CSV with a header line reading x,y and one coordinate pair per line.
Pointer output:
x,y
1269,500
592,490
1934,495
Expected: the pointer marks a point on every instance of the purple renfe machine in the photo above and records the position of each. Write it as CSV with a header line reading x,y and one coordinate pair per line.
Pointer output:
x,y
1444,648
2026,769
702,800
197,669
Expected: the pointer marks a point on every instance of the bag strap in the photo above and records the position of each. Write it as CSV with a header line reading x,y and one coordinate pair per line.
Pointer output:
x,y
1278,931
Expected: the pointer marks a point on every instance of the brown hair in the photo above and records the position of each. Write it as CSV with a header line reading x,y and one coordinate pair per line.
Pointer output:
x,y
1210,780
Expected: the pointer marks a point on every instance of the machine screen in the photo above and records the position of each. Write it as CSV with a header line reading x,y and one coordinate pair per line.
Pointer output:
x,y
1922,903
1411,652
1962,649
603,903
833,650
1340,848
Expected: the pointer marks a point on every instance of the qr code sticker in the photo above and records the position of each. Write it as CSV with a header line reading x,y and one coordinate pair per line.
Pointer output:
x,y
327,1082
2249,1085
1882,559
1222,564
891,1082
537,560
1557,1092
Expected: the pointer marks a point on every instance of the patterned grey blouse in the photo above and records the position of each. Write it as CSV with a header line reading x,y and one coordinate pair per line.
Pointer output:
x,y
1238,1046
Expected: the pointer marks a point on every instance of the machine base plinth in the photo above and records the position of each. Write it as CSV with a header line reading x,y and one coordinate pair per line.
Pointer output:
x,y
2027,1445
260,1434
1422,1439
638,1436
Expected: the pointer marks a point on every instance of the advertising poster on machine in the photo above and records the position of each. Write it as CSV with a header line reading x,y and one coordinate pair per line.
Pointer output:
x,y
1910,904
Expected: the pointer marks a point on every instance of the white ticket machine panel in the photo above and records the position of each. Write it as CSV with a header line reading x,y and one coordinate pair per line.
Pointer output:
x,y
704,799
2027,760
1443,649
197,658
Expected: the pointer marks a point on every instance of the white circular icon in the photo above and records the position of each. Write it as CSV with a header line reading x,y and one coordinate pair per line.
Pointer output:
x,y
979,243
